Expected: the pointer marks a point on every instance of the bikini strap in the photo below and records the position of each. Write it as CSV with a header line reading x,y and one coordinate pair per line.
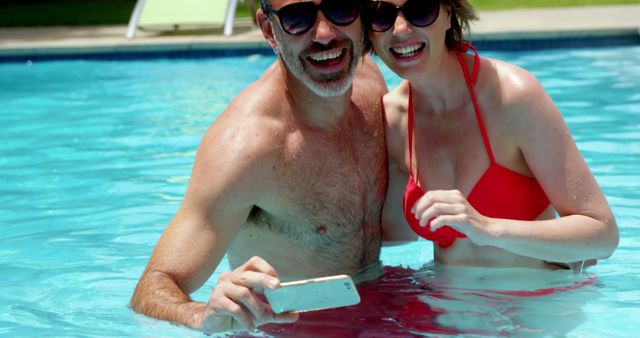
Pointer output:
x,y
410,130
471,81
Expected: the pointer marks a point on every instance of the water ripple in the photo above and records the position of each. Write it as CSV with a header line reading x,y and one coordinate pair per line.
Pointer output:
x,y
94,164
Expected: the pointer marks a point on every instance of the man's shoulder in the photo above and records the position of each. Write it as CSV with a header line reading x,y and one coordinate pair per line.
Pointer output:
x,y
368,88
248,130
369,84
257,107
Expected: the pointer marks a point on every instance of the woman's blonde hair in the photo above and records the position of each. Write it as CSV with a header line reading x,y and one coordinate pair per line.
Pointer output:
x,y
462,14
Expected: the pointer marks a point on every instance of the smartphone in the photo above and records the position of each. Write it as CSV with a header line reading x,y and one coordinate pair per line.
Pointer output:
x,y
313,294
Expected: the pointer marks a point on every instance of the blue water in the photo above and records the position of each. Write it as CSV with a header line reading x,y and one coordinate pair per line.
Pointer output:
x,y
95,158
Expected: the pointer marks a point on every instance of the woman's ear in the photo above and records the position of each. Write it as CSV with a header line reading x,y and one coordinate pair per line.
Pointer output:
x,y
265,27
448,9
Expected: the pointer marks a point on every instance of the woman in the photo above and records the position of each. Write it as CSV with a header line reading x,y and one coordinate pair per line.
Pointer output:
x,y
487,156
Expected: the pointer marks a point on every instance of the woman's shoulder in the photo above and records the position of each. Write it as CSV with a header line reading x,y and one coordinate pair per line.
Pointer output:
x,y
512,84
395,110
516,98
396,103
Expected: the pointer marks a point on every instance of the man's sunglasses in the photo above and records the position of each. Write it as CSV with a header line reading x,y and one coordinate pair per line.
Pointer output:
x,y
299,17
381,15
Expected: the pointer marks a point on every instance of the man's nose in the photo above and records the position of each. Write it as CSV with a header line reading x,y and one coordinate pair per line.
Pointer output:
x,y
324,31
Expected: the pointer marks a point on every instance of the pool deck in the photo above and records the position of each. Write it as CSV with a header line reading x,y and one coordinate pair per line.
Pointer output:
x,y
615,24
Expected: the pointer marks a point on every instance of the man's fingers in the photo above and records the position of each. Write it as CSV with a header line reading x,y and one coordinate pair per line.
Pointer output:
x,y
258,264
252,279
243,293
246,297
285,317
238,313
235,296
271,317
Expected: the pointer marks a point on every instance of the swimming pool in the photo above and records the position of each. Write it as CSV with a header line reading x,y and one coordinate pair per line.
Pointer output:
x,y
95,157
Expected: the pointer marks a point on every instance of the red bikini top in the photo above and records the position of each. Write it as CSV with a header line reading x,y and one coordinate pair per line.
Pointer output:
x,y
499,193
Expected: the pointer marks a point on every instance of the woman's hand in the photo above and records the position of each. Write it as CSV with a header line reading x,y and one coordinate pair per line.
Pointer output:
x,y
438,208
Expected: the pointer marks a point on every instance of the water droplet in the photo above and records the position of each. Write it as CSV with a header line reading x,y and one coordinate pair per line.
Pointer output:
x,y
29,63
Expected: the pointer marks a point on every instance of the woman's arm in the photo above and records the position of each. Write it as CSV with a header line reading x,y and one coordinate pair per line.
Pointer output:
x,y
394,226
586,228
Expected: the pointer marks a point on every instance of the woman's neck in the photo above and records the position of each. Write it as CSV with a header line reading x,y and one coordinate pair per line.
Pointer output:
x,y
441,88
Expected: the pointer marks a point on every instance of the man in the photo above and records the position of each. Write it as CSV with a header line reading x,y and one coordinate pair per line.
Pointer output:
x,y
288,182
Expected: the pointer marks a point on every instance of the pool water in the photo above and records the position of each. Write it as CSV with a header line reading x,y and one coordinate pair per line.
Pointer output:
x,y
95,157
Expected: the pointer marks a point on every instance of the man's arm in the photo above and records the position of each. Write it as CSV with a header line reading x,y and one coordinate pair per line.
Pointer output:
x,y
223,189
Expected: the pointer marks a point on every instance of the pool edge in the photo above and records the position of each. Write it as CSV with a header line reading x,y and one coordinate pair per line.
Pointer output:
x,y
498,41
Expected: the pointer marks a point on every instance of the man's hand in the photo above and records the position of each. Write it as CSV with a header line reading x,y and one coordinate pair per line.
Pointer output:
x,y
234,304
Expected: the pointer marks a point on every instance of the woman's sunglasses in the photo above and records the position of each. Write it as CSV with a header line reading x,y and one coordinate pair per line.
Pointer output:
x,y
381,15
299,17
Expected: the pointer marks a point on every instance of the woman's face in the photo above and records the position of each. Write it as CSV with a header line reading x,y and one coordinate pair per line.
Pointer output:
x,y
405,47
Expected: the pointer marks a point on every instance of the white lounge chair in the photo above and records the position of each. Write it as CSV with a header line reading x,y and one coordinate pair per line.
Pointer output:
x,y
180,13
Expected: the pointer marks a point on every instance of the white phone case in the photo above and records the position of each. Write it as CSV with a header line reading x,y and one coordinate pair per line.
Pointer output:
x,y
313,294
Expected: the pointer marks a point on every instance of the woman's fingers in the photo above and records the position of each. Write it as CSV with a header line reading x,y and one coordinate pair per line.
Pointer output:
x,y
438,203
440,209
454,221
436,196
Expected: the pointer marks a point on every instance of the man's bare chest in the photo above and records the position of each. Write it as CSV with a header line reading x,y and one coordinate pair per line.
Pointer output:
x,y
328,196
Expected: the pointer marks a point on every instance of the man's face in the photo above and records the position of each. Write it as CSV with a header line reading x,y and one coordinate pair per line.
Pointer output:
x,y
325,57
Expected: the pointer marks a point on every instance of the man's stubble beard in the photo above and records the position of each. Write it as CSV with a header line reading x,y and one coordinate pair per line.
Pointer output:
x,y
326,87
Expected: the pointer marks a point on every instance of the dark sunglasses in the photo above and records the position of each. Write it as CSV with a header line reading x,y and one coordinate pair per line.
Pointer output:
x,y
299,17
381,15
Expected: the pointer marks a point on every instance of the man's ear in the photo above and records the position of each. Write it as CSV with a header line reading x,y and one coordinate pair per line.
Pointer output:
x,y
265,27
